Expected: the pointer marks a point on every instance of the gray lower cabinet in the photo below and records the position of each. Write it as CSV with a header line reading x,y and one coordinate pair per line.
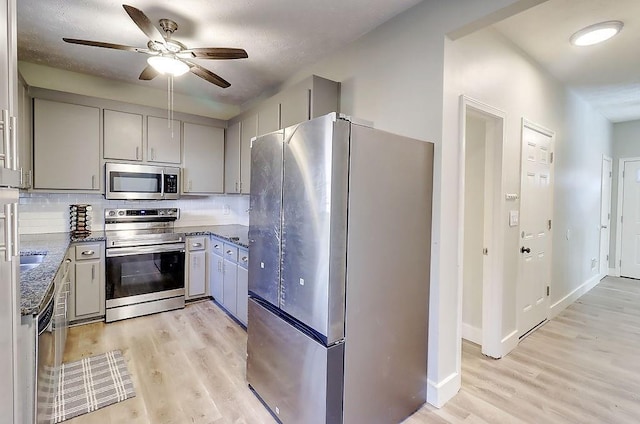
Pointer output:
x,y
66,146
196,275
88,284
229,277
216,262
242,293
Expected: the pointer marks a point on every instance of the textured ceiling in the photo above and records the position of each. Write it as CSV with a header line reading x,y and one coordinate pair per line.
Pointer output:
x,y
607,75
280,37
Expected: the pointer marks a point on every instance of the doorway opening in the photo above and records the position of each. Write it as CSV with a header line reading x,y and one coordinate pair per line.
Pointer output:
x,y
481,236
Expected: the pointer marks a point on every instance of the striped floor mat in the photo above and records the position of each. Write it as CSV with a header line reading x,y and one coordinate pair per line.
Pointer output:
x,y
90,384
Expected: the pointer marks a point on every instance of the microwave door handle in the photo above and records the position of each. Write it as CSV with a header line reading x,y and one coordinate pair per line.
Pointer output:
x,y
162,184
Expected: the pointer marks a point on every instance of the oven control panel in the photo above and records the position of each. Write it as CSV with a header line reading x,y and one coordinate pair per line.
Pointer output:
x,y
149,214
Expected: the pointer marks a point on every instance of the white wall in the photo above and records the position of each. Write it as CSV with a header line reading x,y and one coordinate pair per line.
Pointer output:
x,y
626,144
49,213
42,76
474,198
393,76
488,68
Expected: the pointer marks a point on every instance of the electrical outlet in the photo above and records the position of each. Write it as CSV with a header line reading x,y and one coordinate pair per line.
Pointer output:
x,y
594,262
227,209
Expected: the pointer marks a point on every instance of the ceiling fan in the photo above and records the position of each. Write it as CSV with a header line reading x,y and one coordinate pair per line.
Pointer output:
x,y
168,56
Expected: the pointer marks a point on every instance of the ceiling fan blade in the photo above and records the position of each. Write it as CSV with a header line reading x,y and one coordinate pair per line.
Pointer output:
x,y
218,53
207,75
105,45
148,73
144,23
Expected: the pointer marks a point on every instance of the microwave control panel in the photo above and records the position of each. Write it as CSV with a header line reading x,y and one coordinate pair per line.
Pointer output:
x,y
170,183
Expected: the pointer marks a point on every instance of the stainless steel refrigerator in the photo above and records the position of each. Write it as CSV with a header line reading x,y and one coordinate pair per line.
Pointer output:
x,y
339,239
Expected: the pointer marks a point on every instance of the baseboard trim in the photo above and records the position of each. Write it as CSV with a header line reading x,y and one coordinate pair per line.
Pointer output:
x,y
471,333
614,272
440,393
562,304
509,343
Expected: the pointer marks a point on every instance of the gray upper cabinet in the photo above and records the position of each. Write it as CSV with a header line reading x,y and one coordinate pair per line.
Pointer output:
x,y
203,159
238,155
163,140
122,135
232,159
248,130
269,116
310,98
66,144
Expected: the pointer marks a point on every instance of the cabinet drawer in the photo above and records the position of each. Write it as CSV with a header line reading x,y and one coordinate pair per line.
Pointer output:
x,y
88,251
243,258
217,246
230,252
196,243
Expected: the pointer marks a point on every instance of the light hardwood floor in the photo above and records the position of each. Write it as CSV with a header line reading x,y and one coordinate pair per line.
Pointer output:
x,y
581,367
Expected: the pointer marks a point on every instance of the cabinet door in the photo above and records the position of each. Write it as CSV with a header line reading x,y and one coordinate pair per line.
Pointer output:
x,y
248,130
269,117
294,106
196,274
203,159
229,295
122,135
87,289
66,144
232,159
242,294
163,140
216,275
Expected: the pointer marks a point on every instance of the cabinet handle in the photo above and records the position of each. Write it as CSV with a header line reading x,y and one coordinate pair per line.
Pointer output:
x,y
93,181
196,245
190,185
240,186
236,186
216,246
14,142
245,259
88,253
229,252
5,136
137,152
152,154
68,260
93,272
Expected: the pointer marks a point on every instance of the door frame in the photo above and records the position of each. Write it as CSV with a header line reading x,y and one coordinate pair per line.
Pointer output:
x,y
493,279
619,193
526,123
606,158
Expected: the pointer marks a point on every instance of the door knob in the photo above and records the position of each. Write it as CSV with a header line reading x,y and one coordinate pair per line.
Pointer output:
x,y
525,250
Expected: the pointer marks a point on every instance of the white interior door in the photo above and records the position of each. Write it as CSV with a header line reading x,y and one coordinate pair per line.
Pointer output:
x,y
535,228
605,216
630,253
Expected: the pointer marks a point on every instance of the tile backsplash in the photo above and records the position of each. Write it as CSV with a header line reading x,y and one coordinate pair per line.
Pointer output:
x,y
49,212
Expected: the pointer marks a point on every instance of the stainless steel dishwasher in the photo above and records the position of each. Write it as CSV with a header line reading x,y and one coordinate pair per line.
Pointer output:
x,y
46,369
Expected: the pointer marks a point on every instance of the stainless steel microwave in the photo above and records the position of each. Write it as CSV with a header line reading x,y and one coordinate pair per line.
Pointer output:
x,y
145,182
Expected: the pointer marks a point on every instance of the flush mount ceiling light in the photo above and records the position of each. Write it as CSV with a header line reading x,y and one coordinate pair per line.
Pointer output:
x,y
168,65
594,34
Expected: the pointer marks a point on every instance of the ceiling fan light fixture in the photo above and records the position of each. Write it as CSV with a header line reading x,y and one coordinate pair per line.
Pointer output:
x,y
595,34
168,65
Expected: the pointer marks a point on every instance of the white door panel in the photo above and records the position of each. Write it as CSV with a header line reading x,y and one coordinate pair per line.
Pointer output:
x,y
630,254
605,216
535,215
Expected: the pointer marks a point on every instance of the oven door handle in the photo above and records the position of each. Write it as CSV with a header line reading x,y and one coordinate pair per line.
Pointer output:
x,y
141,250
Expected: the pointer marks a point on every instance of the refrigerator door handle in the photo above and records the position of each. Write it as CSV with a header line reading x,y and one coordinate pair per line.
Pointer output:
x,y
8,232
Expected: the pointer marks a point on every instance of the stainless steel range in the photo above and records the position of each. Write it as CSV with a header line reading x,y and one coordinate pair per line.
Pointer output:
x,y
145,262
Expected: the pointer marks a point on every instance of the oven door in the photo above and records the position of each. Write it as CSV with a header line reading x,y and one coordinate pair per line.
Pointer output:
x,y
144,274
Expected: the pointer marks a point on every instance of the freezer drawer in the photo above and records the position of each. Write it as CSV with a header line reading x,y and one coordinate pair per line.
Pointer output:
x,y
299,379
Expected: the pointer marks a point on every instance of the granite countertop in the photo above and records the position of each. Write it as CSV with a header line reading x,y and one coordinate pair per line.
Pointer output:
x,y
36,282
236,234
